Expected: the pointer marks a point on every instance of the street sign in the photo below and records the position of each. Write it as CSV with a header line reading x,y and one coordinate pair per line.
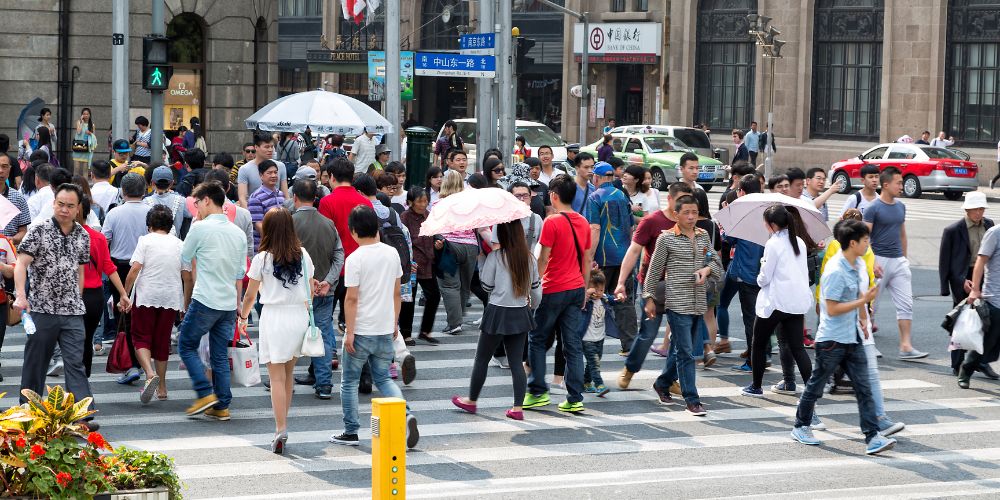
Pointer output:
x,y
117,39
457,65
483,44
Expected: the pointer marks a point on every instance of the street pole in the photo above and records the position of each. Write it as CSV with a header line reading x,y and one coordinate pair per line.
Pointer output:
x,y
156,97
585,66
769,149
393,105
505,67
119,71
485,120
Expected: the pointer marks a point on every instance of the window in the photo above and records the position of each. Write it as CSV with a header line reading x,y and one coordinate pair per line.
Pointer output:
x,y
633,144
617,5
847,69
972,77
899,153
361,37
641,5
300,8
725,64
876,154
440,22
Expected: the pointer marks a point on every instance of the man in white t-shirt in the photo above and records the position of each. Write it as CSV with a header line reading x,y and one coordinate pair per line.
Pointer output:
x,y
941,142
371,276
102,191
862,199
248,178
363,152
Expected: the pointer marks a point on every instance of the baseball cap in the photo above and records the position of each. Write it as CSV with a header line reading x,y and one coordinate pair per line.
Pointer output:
x,y
121,146
603,168
305,173
162,174
974,199
573,147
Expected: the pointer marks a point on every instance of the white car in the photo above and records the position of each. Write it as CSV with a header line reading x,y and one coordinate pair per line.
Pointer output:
x,y
535,134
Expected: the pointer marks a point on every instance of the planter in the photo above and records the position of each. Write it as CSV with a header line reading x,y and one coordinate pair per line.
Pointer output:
x,y
148,494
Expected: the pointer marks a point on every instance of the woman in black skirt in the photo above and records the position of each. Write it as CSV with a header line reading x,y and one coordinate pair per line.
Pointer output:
x,y
510,275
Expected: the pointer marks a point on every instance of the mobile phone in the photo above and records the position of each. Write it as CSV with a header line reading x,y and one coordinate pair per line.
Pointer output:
x,y
878,281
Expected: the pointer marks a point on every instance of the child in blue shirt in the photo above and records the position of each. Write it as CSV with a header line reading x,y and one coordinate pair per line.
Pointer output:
x,y
599,323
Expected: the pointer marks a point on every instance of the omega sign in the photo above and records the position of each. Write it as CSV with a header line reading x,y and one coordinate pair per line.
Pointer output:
x,y
181,90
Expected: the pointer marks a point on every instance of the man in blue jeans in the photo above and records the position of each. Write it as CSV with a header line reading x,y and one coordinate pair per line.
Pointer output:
x,y
838,339
218,248
319,237
564,264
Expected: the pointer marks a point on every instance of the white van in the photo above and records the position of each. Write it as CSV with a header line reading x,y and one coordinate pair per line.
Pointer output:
x,y
535,134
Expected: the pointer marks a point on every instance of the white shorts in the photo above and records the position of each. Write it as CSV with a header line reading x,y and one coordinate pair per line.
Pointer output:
x,y
898,281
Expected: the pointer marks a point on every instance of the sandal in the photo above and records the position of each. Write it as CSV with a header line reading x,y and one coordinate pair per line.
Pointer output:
x,y
161,397
100,350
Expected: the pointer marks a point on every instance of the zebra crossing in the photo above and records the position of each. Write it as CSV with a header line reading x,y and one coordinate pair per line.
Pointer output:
x,y
624,445
917,209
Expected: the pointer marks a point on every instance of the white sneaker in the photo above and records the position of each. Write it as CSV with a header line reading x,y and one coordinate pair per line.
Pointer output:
x,y
56,369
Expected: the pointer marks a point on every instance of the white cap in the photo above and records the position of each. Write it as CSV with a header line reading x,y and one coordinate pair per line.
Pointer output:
x,y
974,199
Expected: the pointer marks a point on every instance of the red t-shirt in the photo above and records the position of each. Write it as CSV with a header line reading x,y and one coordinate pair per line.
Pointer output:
x,y
337,207
563,271
646,234
99,255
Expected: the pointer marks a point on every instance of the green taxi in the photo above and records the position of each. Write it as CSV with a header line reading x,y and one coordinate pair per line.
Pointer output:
x,y
661,154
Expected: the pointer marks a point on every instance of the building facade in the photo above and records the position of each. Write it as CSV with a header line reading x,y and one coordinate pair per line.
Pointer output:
x,y
224,56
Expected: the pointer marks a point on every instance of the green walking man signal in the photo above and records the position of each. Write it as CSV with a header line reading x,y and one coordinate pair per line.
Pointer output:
x,y
156,68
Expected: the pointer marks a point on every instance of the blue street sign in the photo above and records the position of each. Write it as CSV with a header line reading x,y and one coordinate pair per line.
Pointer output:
x,y
458,65
478,41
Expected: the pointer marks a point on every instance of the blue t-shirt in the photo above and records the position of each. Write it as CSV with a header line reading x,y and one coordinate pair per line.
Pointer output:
x,y
887,226
840,283
580,198
609,208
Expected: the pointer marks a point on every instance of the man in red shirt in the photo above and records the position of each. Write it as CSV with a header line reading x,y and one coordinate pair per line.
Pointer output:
x,y
564,264
644,238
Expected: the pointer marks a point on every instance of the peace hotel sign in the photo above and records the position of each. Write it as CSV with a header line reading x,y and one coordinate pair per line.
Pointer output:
x,y
634,43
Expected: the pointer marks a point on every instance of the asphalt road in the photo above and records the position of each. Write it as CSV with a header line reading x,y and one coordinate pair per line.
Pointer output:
x,y
623,446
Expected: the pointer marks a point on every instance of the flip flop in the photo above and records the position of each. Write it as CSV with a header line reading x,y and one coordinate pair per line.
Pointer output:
x,y
161,397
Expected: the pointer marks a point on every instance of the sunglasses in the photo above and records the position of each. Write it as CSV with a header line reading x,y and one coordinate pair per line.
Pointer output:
x,y
248,151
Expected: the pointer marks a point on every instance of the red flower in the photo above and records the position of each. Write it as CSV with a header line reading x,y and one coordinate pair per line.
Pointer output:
x,y
97,440
20,443
63,478
37,451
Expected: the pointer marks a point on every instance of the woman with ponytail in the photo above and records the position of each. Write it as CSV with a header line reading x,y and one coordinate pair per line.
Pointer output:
x,y
784,297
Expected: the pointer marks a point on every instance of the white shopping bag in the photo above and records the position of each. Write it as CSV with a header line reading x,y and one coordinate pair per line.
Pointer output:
x,y
243,362
968,331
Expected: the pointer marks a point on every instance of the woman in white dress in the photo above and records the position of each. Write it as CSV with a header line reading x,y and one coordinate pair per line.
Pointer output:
x,y
279,272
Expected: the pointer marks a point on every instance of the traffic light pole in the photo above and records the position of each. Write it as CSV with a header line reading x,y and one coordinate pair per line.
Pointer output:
x,y
585,67
393,103
156,96
486,122
119,71
505,70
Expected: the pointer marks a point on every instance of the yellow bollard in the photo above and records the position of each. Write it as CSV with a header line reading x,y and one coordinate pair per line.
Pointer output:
x,y
388,448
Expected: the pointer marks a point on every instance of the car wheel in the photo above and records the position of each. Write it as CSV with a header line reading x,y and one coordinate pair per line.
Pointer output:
x,y
706,187
953,195
845,180
911,187
659,181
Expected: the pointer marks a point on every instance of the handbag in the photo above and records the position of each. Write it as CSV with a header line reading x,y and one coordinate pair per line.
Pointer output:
x,y
80,146
243,361
13,315
312,341
120,359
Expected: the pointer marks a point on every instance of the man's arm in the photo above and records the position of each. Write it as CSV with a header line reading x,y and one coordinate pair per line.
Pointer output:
x,y
628,263
336,263
595,234
902,237
79,277
351,316
20,280
977,276
820,200
543,259
188,281
241,193
396,300
21,231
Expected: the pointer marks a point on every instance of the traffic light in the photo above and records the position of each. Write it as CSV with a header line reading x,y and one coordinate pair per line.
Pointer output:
x,y
156,68
523,46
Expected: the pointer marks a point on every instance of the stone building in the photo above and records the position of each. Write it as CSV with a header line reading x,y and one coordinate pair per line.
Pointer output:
x,y
224,55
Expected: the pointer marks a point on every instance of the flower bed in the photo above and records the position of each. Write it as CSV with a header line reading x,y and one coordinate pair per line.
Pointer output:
x,y
47,452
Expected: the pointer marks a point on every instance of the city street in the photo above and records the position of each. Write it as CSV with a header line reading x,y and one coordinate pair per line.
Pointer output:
x,y
623,446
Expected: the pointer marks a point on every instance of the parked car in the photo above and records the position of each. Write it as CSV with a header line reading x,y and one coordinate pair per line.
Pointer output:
x,y
535,134
694,138
924,168
661,155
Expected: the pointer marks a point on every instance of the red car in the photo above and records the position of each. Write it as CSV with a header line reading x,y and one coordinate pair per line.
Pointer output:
x,y
924,168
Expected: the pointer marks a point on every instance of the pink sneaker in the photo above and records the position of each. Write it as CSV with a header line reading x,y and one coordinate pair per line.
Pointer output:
x,y
393,371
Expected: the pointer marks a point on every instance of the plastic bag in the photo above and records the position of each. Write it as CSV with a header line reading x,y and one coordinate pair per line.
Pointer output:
x,y
968,331
244,362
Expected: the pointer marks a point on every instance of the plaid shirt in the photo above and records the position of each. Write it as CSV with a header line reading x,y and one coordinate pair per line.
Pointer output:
x,y
262,200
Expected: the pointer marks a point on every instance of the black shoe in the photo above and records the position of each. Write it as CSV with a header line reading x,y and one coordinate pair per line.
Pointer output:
x,y
410,342
307,380
267,385
409,369
963,378
324,392
345,439
91,425
428,339
365,386
984,368
412,433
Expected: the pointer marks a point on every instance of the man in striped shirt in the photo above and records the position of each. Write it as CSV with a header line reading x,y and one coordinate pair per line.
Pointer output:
x,y
266,197
685,258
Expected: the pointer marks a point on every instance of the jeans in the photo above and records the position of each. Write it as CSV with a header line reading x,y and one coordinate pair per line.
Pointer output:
x,y
564,309
680,360
648,331
871,356
220,326
377,351
729,291
592,354
830,355
323,316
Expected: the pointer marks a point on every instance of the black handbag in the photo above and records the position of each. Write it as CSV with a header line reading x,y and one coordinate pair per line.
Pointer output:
x,y
80,146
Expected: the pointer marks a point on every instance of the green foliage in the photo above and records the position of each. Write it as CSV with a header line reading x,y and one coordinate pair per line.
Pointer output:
x,y
138,469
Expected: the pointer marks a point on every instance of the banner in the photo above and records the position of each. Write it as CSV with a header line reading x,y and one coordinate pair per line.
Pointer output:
x,y
376,75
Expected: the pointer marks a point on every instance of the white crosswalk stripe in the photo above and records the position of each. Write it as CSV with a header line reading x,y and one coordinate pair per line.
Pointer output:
x,y
623,445
920,209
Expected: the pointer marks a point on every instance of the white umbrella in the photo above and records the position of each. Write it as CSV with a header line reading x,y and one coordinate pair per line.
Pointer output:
x,y
744,218
323,112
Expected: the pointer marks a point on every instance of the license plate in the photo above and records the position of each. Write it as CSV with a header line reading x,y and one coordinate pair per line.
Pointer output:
x,y
961,171
706,176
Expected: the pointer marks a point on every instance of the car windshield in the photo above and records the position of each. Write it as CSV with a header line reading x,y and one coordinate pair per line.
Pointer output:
x,y
693,137
939,153
537,135
661,144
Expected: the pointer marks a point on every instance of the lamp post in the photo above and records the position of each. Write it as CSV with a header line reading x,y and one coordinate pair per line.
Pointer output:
x,y
764,35
584,18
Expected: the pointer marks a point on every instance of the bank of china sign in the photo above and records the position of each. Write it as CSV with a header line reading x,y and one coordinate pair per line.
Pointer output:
x,y
629,43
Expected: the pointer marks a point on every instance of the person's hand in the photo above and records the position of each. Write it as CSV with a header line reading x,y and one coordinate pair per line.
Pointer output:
x,y
877,270
349,342
864,328
438,244
702,275
21,304
322,288
967,286
973,295
620,292
869,294
395,333
124,304
650,309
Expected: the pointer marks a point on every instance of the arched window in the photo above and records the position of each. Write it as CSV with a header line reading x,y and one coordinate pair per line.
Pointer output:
x,y
847,69
724,61
184,96
972,78
440,21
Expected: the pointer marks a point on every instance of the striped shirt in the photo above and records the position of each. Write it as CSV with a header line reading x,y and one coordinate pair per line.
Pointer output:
x,y
262,200
679,257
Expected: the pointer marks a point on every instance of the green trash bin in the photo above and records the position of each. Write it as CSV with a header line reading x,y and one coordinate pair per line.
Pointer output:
x,y
419,148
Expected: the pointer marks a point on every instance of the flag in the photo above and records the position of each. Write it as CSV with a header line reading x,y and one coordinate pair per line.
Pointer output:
x,y
353,10
372,7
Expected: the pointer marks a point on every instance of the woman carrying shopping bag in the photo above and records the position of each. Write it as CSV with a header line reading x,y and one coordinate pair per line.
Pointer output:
x,y
280,272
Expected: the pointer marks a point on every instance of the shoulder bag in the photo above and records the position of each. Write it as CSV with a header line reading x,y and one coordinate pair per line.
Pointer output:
x,y
312,341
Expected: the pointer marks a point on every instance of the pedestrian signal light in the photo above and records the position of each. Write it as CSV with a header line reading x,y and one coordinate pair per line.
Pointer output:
x,y
156,68
388,448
